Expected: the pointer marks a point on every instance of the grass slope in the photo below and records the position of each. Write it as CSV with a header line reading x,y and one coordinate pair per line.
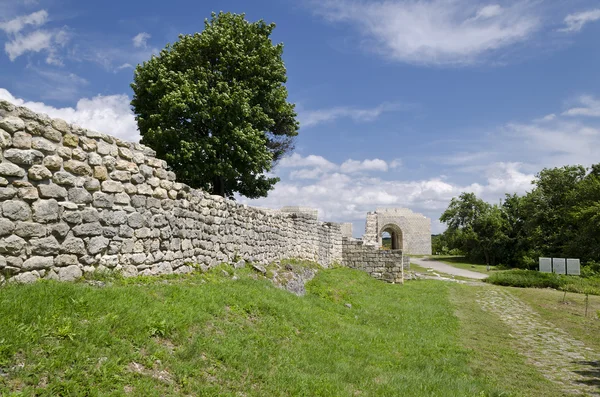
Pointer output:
x,y
535,279
211,335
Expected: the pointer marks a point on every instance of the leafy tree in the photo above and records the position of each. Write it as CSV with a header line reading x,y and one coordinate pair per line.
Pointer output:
x,y
214,105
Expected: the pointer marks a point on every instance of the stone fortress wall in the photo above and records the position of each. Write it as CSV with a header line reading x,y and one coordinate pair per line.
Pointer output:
x,y
74,200
414,229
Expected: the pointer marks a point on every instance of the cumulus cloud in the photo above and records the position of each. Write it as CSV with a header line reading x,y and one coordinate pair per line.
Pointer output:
x,y
353,166
437,32
310,118
15,25
32,42
589,106
110,114
576,22
141,40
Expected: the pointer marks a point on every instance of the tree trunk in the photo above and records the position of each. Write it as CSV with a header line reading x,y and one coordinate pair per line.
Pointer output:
x,y
218,186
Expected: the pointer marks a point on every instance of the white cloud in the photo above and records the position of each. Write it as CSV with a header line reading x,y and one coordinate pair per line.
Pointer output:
x,y
351,166
437,32
590,107
297,161
15,25
309,118
109,114
125,66
396,163
141,39
32,42
576,22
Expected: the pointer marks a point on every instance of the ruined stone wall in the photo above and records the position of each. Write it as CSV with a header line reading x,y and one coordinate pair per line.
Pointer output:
x,y
75,201
384,265
416,229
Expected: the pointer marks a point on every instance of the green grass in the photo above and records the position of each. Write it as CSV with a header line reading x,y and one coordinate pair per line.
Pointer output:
x,y
566,311
463,263
214,336
489,340
535,279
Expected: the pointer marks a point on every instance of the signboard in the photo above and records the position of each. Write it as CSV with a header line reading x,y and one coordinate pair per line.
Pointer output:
x,y
546,265
559,265
573,267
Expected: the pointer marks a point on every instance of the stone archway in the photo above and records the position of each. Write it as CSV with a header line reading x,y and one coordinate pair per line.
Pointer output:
x,y
395,233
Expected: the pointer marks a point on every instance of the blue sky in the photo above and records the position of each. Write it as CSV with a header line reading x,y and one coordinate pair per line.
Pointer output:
x,y
402,103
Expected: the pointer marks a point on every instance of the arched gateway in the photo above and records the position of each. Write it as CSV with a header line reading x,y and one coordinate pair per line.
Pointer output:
x,y
409,231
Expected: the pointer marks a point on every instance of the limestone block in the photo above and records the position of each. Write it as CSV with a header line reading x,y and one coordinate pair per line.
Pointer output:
x,y
66,260
78,168
16,210
90,215
122,176
7,193
12,124
43,145
112,187
79,195
64,152
61,126
21,140
109,162
46,246
38,262
26,229
88,144
97,245
45,211
52,191
122,198
73,245
59,230
79,154
103,200
71,140
64,178
94,159
88,229
72,217
39,173
138,179
92,184
100,173
8,169
69,273
6,227
105,149
26,278
24,157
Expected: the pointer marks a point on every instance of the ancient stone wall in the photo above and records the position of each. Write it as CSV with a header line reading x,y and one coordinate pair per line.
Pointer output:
x,y
415,228
75,201
381,264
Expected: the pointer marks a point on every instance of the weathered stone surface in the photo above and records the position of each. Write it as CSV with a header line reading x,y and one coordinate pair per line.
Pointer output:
x,y
112,187
105,149
64,152
6,227
46,246
24,157
90,215
100,172
71,140
38,262
64,178
16,210
45,211
122,198
8,169
92,184
12,124
69,273
78,168
88,144
136,220
52,191
7,193
103,200
28,229
79,195
61,126
28,193
73,245
21,140
39,173
94,159
26,278
12,245
59,230
53,163
97,245
52,134
43,145
122,176
66,260
88,229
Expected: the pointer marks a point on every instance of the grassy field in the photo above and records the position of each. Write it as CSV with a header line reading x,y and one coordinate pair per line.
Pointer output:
x,y
535,279
211,335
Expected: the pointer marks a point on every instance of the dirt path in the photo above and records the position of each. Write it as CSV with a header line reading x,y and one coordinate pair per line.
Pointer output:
x,y
563,360
444,268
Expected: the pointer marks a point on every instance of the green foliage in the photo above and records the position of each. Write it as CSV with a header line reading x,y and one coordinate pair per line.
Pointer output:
x,y
560,217
214,105
535,279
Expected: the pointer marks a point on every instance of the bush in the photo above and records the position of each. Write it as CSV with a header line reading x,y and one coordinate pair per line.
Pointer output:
x,y
535,279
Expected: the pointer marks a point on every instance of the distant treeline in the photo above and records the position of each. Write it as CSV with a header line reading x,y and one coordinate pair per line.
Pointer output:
x,y
560,217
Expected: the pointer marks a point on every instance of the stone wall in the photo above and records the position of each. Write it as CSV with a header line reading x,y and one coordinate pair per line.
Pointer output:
x,y
75,201
415,228
384,265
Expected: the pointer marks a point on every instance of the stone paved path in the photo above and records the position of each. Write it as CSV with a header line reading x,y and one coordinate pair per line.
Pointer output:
x,y
565,361
444,268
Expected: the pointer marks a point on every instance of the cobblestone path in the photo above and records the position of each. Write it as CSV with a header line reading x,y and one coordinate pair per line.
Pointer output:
x,y
565,361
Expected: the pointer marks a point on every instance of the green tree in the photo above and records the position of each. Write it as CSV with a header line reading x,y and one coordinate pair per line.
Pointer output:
x,y
214,105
